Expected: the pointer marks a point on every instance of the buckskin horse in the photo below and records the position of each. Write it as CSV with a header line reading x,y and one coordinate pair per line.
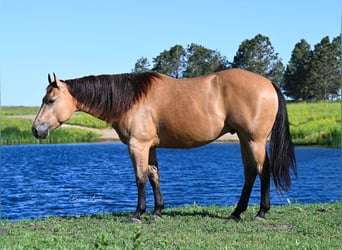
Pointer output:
x,y
150,110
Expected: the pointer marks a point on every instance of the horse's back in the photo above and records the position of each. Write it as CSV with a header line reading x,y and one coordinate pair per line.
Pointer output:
x,y
188,112
196,111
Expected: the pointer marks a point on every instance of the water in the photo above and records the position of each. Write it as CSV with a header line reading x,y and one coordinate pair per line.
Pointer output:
x,y
77,179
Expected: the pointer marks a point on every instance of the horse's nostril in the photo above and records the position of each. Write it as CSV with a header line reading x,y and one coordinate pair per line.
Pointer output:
x,y
40,131
35,132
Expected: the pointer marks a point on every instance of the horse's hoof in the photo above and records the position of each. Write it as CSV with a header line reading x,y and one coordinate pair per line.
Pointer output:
x,y
259,218
155,217
234,218
134,221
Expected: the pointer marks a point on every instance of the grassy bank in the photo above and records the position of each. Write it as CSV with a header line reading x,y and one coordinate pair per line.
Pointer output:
x,y
317,123
316,226
18,131
16,123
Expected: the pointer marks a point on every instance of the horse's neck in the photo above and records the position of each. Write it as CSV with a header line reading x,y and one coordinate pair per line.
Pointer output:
x,y
89,110
94,112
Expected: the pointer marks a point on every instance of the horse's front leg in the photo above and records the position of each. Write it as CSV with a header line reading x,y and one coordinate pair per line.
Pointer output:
x,y
154,178
250,174
139,153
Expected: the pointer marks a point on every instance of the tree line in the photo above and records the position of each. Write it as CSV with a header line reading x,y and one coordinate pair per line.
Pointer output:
x,y
311,74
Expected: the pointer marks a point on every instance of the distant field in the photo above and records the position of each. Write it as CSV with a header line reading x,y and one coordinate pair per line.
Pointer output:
x,y
316,123
18,110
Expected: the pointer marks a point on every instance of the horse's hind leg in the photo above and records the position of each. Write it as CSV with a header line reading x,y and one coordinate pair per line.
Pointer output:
x,y
255,163
265,190
154,178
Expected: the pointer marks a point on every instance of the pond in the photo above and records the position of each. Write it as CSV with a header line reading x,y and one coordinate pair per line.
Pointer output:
x,y
78,179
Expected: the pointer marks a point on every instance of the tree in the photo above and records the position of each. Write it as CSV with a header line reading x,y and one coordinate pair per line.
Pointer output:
x,y
177,62
201,61
171,62
142,65
324,75
257,55
296,73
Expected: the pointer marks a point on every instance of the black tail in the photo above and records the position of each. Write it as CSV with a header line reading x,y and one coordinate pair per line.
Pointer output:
x,y
282,156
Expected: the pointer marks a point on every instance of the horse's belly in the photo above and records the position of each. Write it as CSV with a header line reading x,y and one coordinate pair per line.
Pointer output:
x,y
188,138
176,142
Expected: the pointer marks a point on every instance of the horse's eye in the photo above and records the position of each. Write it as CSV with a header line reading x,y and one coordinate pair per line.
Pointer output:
x,y
48,101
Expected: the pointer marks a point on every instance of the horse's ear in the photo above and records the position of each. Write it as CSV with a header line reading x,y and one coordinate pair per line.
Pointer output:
x,y
49,78
56,81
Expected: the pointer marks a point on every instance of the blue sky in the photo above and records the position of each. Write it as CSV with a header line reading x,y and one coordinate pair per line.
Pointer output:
x,y
74,38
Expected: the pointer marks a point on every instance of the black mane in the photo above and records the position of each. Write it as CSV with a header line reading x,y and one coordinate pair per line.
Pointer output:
x,y
108,97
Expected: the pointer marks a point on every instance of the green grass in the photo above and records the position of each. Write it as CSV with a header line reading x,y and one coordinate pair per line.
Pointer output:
x,y
18,110
18,131
317,123
86,120
79,118
315,226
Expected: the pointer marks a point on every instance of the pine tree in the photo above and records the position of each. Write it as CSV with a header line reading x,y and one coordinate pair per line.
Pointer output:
x,y
324,75
258,55
296,73
142,65
202,61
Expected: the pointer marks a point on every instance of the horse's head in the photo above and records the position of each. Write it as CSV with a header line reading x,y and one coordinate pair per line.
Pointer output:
x,y
57,107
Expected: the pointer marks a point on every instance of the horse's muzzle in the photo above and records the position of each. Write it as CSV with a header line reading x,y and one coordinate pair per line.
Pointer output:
x,y
40,131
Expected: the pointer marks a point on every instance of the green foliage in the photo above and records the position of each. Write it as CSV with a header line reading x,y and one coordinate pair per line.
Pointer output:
x,y
314,74
142,65
202,61
178,62
170,62
314,226
325,75
16,131
295,84
258,55
317,123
